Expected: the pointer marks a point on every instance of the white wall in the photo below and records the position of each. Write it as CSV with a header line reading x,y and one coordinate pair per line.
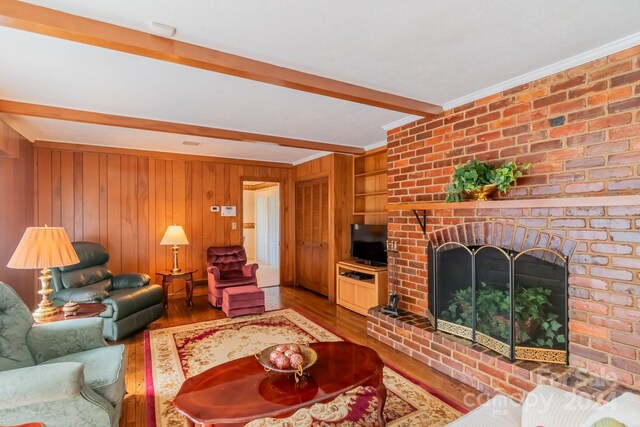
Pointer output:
x,y
267,205
249,216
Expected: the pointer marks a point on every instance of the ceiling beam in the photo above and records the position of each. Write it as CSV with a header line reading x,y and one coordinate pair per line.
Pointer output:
x,y
50,22
58,113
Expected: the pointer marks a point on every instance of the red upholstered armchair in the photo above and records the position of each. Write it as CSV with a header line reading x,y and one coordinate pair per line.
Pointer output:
x,y
226,266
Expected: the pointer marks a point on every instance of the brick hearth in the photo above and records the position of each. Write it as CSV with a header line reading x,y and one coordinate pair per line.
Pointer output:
x,y
580,130
477,366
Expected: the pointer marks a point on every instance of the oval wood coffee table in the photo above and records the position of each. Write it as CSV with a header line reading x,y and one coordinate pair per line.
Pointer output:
x,y
240,391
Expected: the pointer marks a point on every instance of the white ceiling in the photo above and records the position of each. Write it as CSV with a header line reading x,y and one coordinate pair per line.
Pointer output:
x,y
446,53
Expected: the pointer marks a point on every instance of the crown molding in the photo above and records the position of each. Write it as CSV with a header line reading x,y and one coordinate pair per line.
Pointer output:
x,y
309,158
401,122
574,61
375,145
565,64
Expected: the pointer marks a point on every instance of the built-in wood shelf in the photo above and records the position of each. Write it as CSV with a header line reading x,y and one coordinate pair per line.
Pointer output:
x,y
376,193
371,173
555,202
370,213
370,188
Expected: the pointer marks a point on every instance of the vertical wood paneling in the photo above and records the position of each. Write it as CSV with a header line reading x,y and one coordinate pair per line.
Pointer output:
x,y
114,200
91,197
160,214
78,196
152,243
56,213
142,193
219,195
104,212
67,191
17,175
129,214
43,183
208,217
126,201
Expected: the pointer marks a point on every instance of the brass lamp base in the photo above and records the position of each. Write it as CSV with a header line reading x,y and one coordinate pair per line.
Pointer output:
x,y
175,268
46,310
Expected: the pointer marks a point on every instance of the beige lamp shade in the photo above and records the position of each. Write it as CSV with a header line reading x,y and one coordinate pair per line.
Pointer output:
x,y
174,236
43,247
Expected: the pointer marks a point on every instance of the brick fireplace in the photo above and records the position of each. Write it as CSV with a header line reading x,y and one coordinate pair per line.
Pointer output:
x,y
580,130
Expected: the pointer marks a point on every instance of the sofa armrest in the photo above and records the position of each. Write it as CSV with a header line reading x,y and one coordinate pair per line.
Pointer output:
x,y
130,280
249,270
49,340
214,271
39,384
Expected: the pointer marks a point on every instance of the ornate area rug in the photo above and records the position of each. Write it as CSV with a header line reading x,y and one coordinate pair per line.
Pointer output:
x,y
176,353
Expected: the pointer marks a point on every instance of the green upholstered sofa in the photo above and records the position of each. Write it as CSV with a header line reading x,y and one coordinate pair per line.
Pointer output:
x,y
132,302
62,374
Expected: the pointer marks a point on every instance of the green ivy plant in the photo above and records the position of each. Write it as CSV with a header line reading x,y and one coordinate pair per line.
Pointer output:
x,y
492,302
474,174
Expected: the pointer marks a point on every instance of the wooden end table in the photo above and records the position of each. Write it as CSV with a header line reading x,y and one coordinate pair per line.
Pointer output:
x,y
239,391
87,309
167,279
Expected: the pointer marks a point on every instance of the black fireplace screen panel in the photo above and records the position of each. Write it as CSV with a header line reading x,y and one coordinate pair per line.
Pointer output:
x,y
540,303
514,303
454,301
492,291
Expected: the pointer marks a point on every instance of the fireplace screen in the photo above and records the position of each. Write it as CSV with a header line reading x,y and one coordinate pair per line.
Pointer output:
x,y
514,303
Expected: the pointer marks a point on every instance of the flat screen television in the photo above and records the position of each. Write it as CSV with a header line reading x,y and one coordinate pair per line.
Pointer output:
x,y
369,244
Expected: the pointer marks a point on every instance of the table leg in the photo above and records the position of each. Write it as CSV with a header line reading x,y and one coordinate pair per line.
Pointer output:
x,y
382,391
189,289
166,282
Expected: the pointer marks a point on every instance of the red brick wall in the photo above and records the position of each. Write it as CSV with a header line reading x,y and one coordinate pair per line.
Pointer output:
x,y
595,151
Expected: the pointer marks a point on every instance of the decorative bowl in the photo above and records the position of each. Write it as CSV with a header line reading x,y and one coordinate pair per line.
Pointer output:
x,y
310,357
71,308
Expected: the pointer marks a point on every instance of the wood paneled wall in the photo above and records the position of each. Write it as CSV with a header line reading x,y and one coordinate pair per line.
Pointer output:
x,y
125,199
16,207
339,169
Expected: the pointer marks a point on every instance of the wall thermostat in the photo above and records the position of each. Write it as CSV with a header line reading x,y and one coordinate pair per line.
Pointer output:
x,y
228,211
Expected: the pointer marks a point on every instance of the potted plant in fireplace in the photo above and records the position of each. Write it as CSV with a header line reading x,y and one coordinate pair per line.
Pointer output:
x,y
535,322
478,180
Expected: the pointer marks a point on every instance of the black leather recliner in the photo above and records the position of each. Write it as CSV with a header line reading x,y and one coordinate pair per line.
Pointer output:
x,y
132,302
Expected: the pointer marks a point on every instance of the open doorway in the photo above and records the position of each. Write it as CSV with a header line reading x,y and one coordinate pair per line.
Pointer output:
x,y
261,229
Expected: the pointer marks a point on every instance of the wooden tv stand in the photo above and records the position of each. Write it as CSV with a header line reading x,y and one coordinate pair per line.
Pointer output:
x,y
361,294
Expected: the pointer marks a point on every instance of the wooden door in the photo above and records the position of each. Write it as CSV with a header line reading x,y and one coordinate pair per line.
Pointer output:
x,y
312,235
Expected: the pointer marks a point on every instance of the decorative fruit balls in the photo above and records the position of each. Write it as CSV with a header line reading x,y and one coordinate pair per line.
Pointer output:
x,y
287,357
296,360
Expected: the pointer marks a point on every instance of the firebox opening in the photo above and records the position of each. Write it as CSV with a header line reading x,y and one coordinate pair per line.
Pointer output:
x,y
512,302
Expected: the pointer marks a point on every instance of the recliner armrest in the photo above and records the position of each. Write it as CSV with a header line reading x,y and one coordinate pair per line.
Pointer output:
x,y
39,384
249,270
130,280
49,340
86,294
214,271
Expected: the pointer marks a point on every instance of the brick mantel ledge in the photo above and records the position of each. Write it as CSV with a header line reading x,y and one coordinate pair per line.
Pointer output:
x,y
555,202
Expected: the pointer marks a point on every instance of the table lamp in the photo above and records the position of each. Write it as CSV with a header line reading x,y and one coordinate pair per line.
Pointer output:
x,y
174,236
44,247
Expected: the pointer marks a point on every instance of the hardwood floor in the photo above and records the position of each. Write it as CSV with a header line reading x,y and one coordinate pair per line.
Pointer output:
x,y
346,323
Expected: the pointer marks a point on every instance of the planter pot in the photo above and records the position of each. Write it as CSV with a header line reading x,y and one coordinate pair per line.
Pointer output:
x,y
481,193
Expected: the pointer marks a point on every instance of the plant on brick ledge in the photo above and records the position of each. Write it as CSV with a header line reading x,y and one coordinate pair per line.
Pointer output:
x,y
535,323
478,179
